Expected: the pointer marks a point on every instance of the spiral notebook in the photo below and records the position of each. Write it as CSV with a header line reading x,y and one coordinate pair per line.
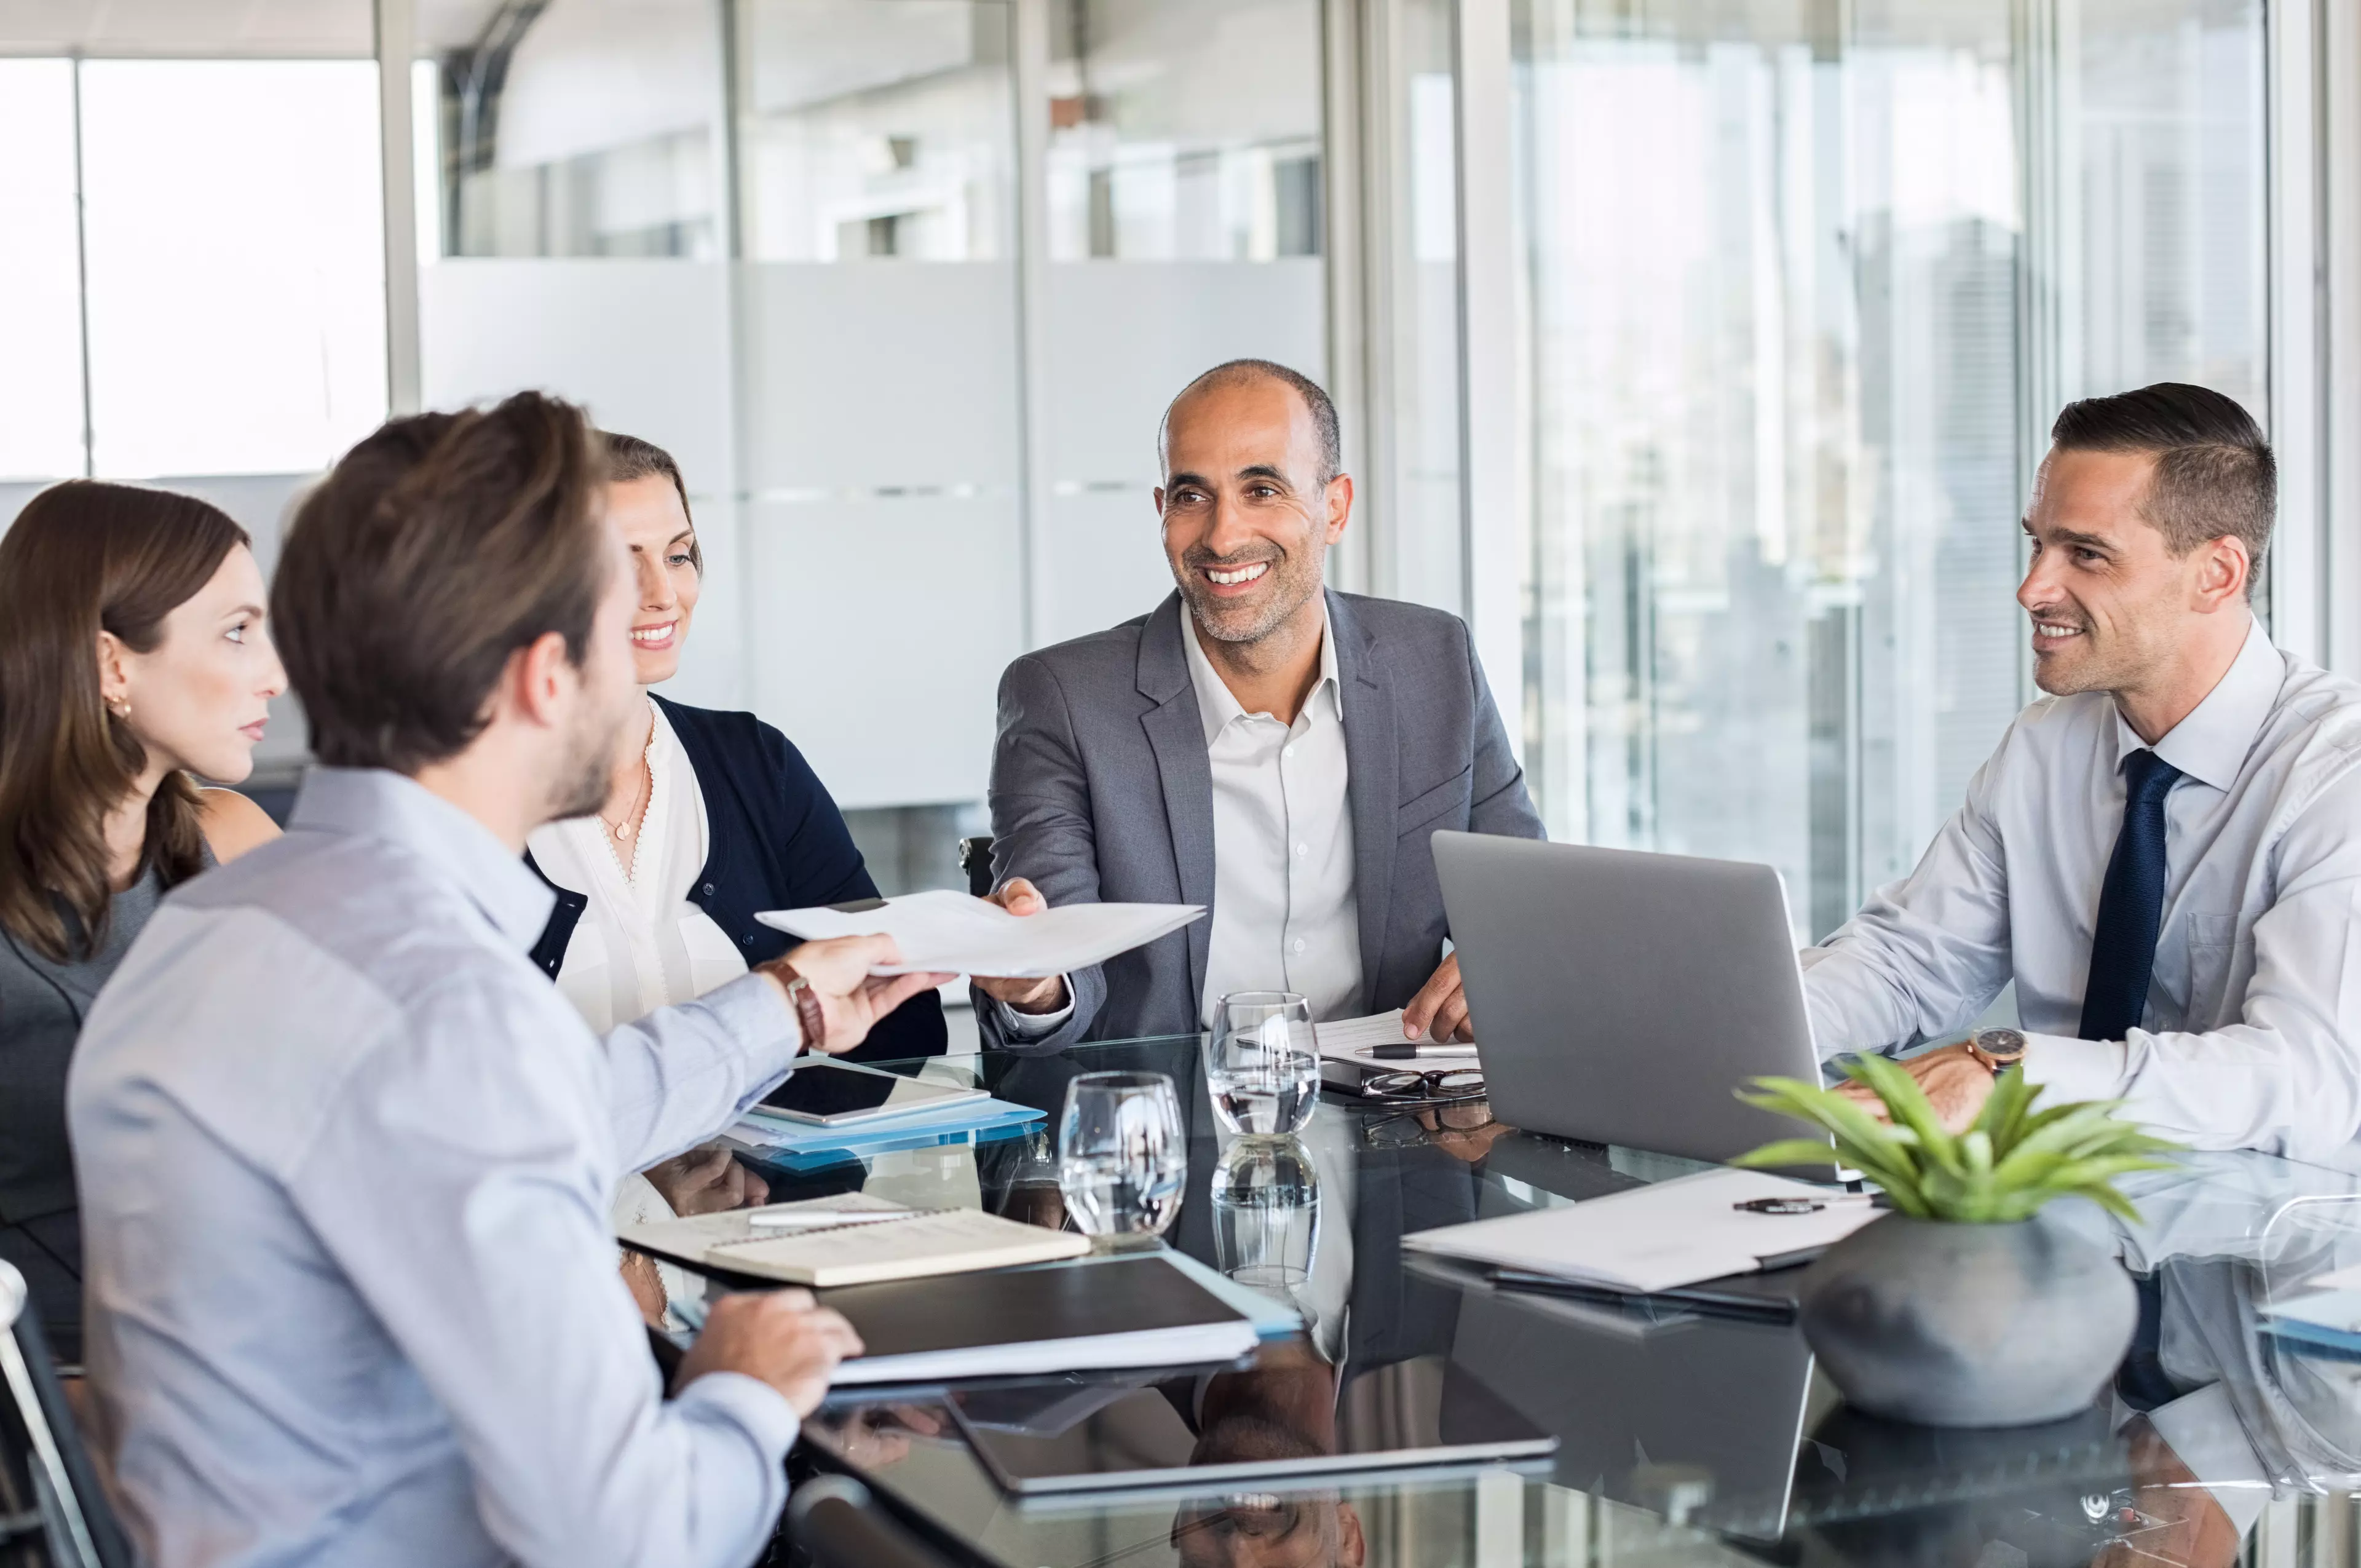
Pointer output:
x,y
849,1238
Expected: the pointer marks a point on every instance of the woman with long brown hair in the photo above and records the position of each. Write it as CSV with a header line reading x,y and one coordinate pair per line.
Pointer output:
x,y
132,657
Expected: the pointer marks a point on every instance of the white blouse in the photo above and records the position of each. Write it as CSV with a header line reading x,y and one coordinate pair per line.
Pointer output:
x,y
640,943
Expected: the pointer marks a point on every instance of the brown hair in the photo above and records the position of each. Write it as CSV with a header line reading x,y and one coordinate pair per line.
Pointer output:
x,y
85,557
2215,477
629,458
433,551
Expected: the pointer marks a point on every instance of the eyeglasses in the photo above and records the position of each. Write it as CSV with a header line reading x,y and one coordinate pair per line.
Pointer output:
x,y
1435,1087
1430,1123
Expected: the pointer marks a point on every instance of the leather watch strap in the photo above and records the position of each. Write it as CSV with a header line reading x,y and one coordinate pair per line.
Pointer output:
x,y
807,1007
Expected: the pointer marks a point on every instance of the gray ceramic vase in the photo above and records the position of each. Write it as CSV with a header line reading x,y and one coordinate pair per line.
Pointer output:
x,y
1955,1325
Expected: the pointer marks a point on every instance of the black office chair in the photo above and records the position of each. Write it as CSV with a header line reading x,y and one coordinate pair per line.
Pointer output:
x,y
835,1520
49,1486
975,859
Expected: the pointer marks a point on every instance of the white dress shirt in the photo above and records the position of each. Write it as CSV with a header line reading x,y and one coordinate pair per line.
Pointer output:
x,y
2252,1035
1284,919
640,943
1284,914
345,1156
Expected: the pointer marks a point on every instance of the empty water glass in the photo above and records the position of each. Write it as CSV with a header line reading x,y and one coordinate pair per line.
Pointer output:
x,y
1262,1065
1123,1162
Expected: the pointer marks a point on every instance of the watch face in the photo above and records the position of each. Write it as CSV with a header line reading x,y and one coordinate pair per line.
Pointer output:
x,y
2007,1044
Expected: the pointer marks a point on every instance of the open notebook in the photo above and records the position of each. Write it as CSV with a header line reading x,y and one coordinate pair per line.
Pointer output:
x,y
848,1239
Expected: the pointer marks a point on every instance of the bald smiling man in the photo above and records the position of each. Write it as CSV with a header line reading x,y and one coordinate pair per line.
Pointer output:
x,y
1260,743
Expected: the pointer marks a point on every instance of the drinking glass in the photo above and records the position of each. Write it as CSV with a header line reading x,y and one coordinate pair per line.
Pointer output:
x,y
1122,1161
1266,1196
1262,1065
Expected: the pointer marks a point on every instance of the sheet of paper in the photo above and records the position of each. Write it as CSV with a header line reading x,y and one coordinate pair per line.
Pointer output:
x,y
1349,1039
1657,1237
953,933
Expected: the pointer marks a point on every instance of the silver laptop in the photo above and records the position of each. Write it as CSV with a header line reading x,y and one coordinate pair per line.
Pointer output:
x,y
1621,997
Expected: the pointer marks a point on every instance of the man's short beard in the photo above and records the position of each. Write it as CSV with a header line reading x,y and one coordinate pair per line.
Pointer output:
x,y
589,770
1280,609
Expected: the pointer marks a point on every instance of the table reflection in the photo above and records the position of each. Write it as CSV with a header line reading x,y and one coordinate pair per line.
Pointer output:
x,y
1718,1426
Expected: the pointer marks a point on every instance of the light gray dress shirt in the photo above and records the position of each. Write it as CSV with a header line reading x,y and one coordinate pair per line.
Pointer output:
x,y
2252,1036
1285,916
345,1157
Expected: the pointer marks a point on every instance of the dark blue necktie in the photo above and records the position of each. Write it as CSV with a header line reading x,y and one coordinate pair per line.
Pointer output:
x,y
2123,949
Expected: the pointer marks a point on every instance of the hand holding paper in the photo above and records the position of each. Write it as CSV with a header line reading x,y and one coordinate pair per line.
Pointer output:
x,y
951,932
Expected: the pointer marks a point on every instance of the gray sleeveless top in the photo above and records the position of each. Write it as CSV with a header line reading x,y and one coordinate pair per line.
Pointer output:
x,y
43,1005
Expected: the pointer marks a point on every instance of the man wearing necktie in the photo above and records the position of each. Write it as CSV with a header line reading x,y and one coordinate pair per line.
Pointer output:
x,y
2164,853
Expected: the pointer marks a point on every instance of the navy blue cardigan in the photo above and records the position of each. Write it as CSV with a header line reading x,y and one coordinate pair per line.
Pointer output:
x,y
777,841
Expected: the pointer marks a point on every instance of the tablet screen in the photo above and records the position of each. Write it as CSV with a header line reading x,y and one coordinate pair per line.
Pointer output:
x,y
818,1090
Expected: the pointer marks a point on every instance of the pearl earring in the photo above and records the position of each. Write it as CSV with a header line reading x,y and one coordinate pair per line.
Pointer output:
x,y
123,709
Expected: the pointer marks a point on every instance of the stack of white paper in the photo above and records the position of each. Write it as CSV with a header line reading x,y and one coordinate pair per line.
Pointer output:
x,y
1658,1237
950,933
1351,1039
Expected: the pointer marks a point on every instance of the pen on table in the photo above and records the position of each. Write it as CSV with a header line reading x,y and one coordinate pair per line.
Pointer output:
x,y
1804,1205
1415,1053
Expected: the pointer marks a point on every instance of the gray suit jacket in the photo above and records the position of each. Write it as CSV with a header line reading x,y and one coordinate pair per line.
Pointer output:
x,y
1101,792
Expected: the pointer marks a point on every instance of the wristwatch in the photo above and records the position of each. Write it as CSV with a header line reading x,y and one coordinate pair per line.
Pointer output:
x,y
807,1005
1998,1049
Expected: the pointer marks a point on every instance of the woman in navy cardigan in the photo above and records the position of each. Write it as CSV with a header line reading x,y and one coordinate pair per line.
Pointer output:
x,y
714,810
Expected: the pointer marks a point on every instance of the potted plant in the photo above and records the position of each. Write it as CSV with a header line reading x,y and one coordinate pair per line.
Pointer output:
x,y
1959,1307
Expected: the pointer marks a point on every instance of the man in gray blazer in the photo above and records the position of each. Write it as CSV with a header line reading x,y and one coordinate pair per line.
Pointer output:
x,y
1259,744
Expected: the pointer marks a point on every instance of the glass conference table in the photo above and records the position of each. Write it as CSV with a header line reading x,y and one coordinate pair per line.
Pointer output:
x,y
1682,1437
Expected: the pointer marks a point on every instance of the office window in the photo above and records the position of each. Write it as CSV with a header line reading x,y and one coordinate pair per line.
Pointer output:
x,y
880,392
1783,393
878,130
578,128
218,304
40,305
1410,499
1186,227
237,287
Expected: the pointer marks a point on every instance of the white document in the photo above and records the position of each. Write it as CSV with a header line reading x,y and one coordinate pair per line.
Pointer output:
x,y
1658,1237
952,933
1350,1040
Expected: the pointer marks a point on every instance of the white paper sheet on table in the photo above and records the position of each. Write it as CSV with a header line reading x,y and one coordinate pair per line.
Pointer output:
x,y
1349,1039
953,933
1659,1236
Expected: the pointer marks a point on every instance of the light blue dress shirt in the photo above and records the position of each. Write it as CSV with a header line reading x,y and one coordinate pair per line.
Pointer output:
x,y
345,1157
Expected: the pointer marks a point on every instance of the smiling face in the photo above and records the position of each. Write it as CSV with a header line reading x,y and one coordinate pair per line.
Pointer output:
x,y
199,698
1247,523
2112,605
664,573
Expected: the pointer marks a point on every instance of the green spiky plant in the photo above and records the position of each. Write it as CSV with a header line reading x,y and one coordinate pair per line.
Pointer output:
x,y
2007,1165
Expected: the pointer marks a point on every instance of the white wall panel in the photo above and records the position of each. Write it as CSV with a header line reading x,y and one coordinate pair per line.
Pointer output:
x,y
1107,563
1126,336
879,629
878,374
640,341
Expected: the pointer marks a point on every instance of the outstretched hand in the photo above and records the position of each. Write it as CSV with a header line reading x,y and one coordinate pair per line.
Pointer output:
x,y
1021,898
850,999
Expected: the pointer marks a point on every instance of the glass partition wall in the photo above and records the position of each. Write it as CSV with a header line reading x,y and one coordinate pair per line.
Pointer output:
x,y
1794,335
905,284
